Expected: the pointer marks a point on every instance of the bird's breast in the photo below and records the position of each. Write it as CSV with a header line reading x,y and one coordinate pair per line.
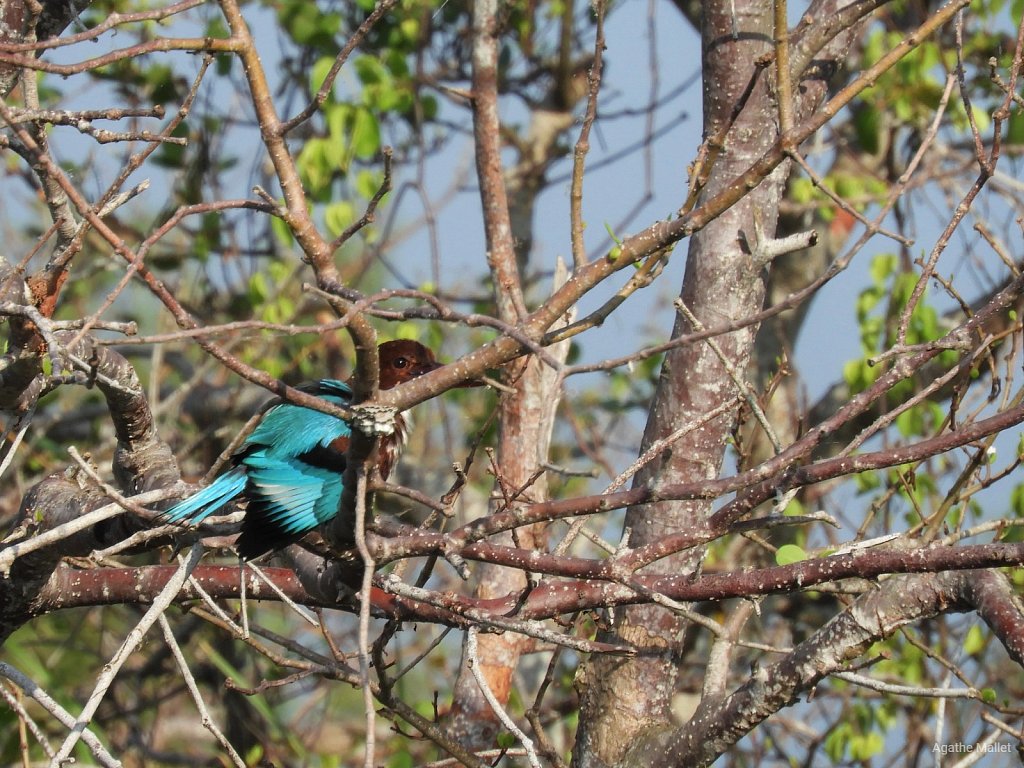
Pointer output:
x,y
391,446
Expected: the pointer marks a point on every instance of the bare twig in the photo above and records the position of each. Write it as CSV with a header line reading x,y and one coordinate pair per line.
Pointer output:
x,y
582,148
364,617
197,696
106,677
506,720
60,714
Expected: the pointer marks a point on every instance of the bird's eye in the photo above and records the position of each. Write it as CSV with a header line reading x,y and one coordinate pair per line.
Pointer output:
x,y
401,362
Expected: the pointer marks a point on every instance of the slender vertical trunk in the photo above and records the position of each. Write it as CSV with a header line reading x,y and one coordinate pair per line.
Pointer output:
x,y
527,421
527,413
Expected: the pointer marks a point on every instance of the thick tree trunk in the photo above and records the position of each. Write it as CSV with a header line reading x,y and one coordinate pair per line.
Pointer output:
x,y
624,702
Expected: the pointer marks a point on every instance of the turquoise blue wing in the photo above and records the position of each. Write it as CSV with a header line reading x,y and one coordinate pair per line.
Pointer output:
x,y
289,430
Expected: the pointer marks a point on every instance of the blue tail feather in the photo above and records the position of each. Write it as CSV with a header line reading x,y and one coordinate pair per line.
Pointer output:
x,y
209,500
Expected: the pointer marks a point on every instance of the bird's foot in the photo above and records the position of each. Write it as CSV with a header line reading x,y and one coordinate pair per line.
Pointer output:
x,y
374,420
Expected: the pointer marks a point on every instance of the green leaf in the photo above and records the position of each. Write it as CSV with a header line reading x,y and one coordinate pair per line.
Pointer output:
x,y
312,164
408,330
1015,128
790,553
401,760
335,150
319,71
882,267
365,135
875,48
981,118
281,231
1012,534
910,422
867,301
410,28
838,741
867,123
254,755
338,216
847,185
858,374
801,190
304,27
160,79
367,183
370,70
794,508
866,746
396,63
506,740
224,64
428,105
975,641
257,288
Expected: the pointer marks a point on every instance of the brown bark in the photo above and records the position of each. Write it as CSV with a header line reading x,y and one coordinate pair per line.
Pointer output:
x,y
625,700
719,724
19,24
141,462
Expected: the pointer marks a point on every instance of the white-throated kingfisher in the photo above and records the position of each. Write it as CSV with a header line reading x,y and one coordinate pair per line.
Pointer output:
x,y
289,471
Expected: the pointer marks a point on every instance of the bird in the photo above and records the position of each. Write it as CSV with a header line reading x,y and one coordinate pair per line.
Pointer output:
x,y
289,471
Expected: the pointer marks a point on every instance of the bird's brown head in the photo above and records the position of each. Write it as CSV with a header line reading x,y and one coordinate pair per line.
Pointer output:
x,y
403,360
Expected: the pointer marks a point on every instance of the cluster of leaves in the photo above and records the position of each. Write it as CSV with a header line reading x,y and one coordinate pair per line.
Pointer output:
x,y
879,308
862,736
339,162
